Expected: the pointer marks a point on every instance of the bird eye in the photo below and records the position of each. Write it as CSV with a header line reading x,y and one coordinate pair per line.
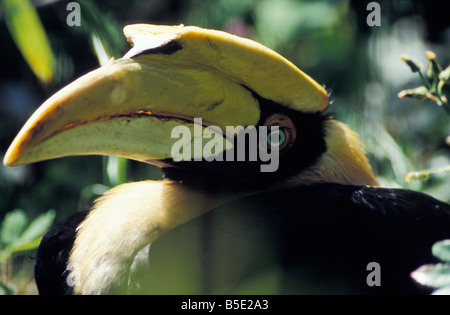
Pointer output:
x,y
278,137
282,137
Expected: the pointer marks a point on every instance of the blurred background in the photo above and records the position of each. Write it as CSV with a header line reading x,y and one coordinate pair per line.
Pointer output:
x,y
331,41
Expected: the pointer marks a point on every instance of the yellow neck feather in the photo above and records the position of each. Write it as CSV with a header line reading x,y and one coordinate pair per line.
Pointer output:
x,y
344,161
124,220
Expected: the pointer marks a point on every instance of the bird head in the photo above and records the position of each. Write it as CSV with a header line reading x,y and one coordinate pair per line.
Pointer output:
x,y
196,101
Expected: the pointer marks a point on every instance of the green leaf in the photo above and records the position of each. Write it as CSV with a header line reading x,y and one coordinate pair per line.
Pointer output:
x,y
436,276
5,290
116,170
100,50
13,225
419,93
30,245
31,236
445,74
441,250
26,29
17,236
38,227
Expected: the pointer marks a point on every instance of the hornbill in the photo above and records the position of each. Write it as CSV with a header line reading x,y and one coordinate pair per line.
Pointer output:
x,y
218,223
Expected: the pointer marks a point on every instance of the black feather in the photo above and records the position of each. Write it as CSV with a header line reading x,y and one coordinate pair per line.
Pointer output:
x,y
320,238
315,239
53,255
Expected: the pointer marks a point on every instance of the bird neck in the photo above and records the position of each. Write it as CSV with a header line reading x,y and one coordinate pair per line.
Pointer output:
x,y
343,162
131,216
123,221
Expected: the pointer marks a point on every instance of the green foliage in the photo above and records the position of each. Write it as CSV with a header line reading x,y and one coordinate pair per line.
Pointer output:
x,y
116,170
18,235
432,89
26,29
433,82
106,30
436,276
441,250
431,275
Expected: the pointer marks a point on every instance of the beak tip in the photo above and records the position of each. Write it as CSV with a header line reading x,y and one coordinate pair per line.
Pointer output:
x,y
8,160
12,156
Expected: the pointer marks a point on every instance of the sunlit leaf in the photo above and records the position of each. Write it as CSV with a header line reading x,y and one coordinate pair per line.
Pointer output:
x,y
436,276
26,29
21,237
116,170
100,51
105,29
441,250
445,74
38,227
13,225
24,246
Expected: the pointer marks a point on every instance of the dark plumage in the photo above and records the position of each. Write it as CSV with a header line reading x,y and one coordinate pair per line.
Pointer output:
x,y
320,238
53,254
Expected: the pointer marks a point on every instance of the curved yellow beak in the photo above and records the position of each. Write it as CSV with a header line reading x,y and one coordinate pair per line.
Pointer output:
x,y
172,75
129,109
